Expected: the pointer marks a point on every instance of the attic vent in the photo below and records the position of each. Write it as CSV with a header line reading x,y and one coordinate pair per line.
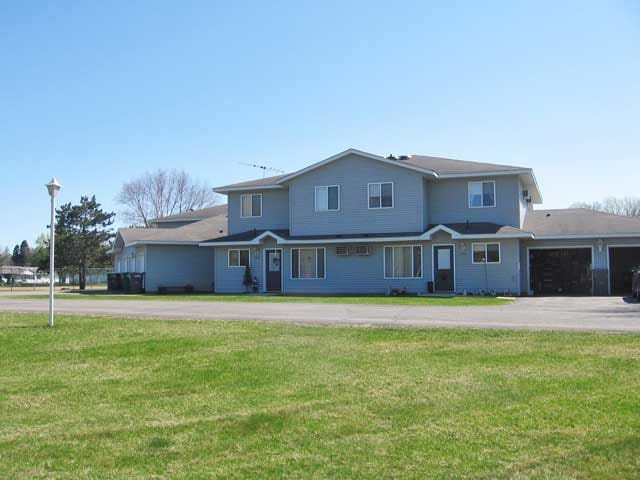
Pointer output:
x,y
342,250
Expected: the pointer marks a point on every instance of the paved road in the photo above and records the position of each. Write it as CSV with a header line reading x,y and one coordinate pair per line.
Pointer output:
x,y
585,314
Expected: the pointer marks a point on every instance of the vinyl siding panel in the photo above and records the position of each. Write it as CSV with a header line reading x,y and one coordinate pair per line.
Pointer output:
x,y
275,212
176,265
353,173
448,201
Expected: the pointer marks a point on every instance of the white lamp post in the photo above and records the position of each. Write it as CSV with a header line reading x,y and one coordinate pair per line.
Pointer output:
x,y
52,187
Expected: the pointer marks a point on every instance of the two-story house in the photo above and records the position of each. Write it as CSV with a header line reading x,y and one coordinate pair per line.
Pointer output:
x,y
361,223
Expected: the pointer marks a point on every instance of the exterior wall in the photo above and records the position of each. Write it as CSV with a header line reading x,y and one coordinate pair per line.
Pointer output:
x,y
275,212
353,173
171,224
130,259
365,274
448,201
177,266
600,259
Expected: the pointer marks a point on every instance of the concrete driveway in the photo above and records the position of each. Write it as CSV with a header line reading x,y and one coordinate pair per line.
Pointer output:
x,y
578,314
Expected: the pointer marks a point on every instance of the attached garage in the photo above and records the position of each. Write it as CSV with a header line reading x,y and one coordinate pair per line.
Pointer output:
x,y
561,271
622,259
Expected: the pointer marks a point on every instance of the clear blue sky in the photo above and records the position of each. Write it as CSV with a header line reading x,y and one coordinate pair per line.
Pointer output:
x,y
97,92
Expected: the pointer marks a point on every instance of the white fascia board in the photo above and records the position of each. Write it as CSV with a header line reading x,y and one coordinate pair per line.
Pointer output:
x,y
353,151
256,188
587,236
171,220
413,238
158,242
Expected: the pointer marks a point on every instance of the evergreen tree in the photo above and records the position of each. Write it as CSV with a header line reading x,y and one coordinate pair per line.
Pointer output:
x,y
16,259
82,236
25,253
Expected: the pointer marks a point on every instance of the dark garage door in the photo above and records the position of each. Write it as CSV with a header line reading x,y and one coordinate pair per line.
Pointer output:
x,y
621,261
560,271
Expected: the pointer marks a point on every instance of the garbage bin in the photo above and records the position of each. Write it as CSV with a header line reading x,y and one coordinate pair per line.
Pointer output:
x,y
429,287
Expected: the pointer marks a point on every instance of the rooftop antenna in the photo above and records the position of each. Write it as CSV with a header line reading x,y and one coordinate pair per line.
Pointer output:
x,y
264,168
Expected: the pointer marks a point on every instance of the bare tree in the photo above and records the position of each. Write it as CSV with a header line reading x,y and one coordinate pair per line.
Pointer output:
x,y
627,206
161,193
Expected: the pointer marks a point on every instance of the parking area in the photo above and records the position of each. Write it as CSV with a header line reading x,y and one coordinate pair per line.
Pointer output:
x,y
615,314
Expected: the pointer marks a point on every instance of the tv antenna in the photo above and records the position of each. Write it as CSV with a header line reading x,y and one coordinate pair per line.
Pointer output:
x,y
264,168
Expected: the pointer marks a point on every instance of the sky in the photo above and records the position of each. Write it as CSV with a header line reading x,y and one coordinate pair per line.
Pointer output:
x,y
97,93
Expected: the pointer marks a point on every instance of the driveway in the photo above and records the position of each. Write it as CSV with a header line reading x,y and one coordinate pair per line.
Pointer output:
x,y
577,314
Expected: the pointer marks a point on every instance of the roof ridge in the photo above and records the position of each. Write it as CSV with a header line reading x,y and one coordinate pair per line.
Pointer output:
x,y
463,161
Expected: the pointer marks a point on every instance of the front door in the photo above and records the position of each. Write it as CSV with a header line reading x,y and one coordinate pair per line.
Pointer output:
x,y
273,264
443,272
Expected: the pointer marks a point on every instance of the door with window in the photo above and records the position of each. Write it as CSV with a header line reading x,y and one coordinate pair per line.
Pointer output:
x,y
443,270
273,267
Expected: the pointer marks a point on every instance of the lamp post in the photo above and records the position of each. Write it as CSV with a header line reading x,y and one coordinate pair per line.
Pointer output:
x,y
52,187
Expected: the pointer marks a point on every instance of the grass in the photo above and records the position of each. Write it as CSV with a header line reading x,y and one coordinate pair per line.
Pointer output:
x,y
363,300
117,398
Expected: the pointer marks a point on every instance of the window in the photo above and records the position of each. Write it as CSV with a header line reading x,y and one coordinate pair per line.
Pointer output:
x,y
486,252
238,257
403,262
251,205
307,263
327,198
482,194
381,195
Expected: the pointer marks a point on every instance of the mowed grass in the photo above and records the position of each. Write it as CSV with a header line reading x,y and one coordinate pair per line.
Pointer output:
x,y
117,398
354,300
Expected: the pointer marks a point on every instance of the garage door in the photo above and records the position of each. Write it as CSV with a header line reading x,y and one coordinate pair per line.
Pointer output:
x,y
621,261
560,271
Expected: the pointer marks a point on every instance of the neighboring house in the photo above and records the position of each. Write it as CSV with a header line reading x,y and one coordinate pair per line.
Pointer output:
x,y
361,223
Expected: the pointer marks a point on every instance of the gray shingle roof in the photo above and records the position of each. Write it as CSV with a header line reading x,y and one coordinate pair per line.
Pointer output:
x,y
579,221
193,233
450,166
439,165
193,214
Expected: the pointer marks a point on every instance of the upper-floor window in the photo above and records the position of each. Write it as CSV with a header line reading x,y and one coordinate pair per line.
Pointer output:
x,y
251,205
482,194
327,198
381,195
486,252
238,257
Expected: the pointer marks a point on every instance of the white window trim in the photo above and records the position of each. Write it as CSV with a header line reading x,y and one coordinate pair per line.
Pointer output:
x,y
291,277
315,199
486,256
495,200
393,262
393,196
261,205
238,250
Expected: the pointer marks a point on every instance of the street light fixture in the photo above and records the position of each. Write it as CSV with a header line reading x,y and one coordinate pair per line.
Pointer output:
x,y
53,187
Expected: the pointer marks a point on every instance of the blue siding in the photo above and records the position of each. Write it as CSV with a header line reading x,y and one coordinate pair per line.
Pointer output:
x,y
275,212
177,265
353,173
365,274
448,201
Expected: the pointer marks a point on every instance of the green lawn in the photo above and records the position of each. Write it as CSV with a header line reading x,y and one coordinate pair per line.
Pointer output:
x,y
117,398
368,300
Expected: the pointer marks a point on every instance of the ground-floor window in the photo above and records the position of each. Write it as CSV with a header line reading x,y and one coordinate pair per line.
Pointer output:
x,y
403,262
238,257
307,263
486,252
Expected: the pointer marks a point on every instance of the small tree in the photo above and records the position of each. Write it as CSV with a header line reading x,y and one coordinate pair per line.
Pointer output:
x,y
247,279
